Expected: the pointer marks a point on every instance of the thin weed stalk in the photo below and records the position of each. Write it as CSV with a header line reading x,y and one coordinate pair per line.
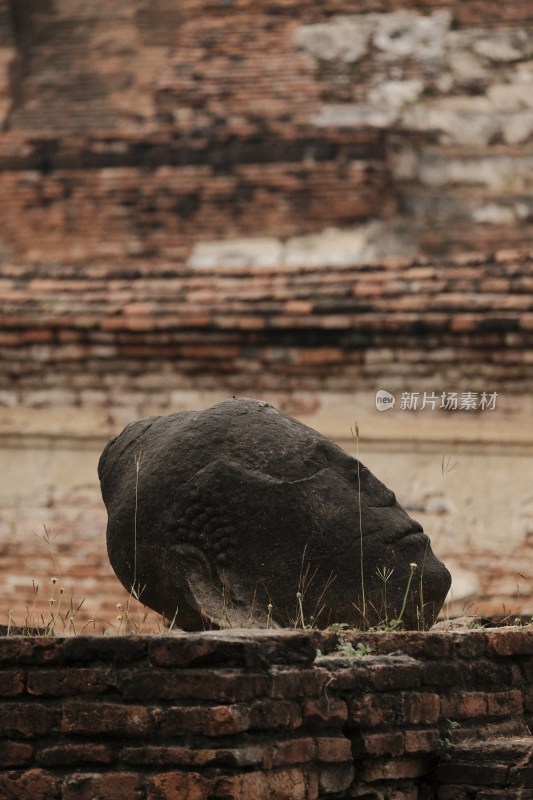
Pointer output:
x,y
49,538
413,568
305,581
300,617
355,436
384,574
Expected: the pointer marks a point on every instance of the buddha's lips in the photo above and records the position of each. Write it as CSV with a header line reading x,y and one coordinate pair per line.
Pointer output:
x,y
413,530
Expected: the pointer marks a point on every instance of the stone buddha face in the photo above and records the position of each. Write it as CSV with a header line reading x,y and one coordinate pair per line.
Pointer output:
x,y
242,516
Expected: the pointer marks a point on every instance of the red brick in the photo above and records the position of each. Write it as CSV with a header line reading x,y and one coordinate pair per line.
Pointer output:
x,y
442,673
33,784
11,338
335,779
383,744
274,714
78,680
506,642
105,718
284,784
15,754
514,302
184,651
176,786
288,784
397,768
293,751
371,710
38,335
501,704
154,756
330,748
208,351
74,754
324,712
106,786
498,285
116,649
526,322
464,705
11,683
395,675
469,644
139,309
211,721
485,673
419,303
29,720
320,355
225,686
335,322
248,322
422,741
464,323
368,289
298,307
420,708
247,648
23,650
286,683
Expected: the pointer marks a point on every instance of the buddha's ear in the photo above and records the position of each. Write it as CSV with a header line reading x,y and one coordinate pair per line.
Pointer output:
x,y
208,599
201,603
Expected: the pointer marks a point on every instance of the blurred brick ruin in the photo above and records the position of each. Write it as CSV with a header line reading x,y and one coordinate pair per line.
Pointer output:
x,y
141,130
280,199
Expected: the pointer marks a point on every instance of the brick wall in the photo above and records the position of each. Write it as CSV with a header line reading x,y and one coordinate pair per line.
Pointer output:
x,y
113,336
260,714
139,130
206,196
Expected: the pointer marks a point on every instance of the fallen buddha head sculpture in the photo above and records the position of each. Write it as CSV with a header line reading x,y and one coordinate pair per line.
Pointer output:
x,y
242,516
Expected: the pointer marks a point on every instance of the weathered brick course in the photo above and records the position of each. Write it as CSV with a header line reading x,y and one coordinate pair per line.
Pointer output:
x,y
384,744
28,720
11,683
324,712
344,341
211,721
74,755
15,754
394,769
226,687
464,705
217,122
115,719
33,784
114,786
56,683
301,725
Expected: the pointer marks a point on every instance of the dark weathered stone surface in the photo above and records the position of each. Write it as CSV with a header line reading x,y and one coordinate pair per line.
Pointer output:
x,y
241,516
